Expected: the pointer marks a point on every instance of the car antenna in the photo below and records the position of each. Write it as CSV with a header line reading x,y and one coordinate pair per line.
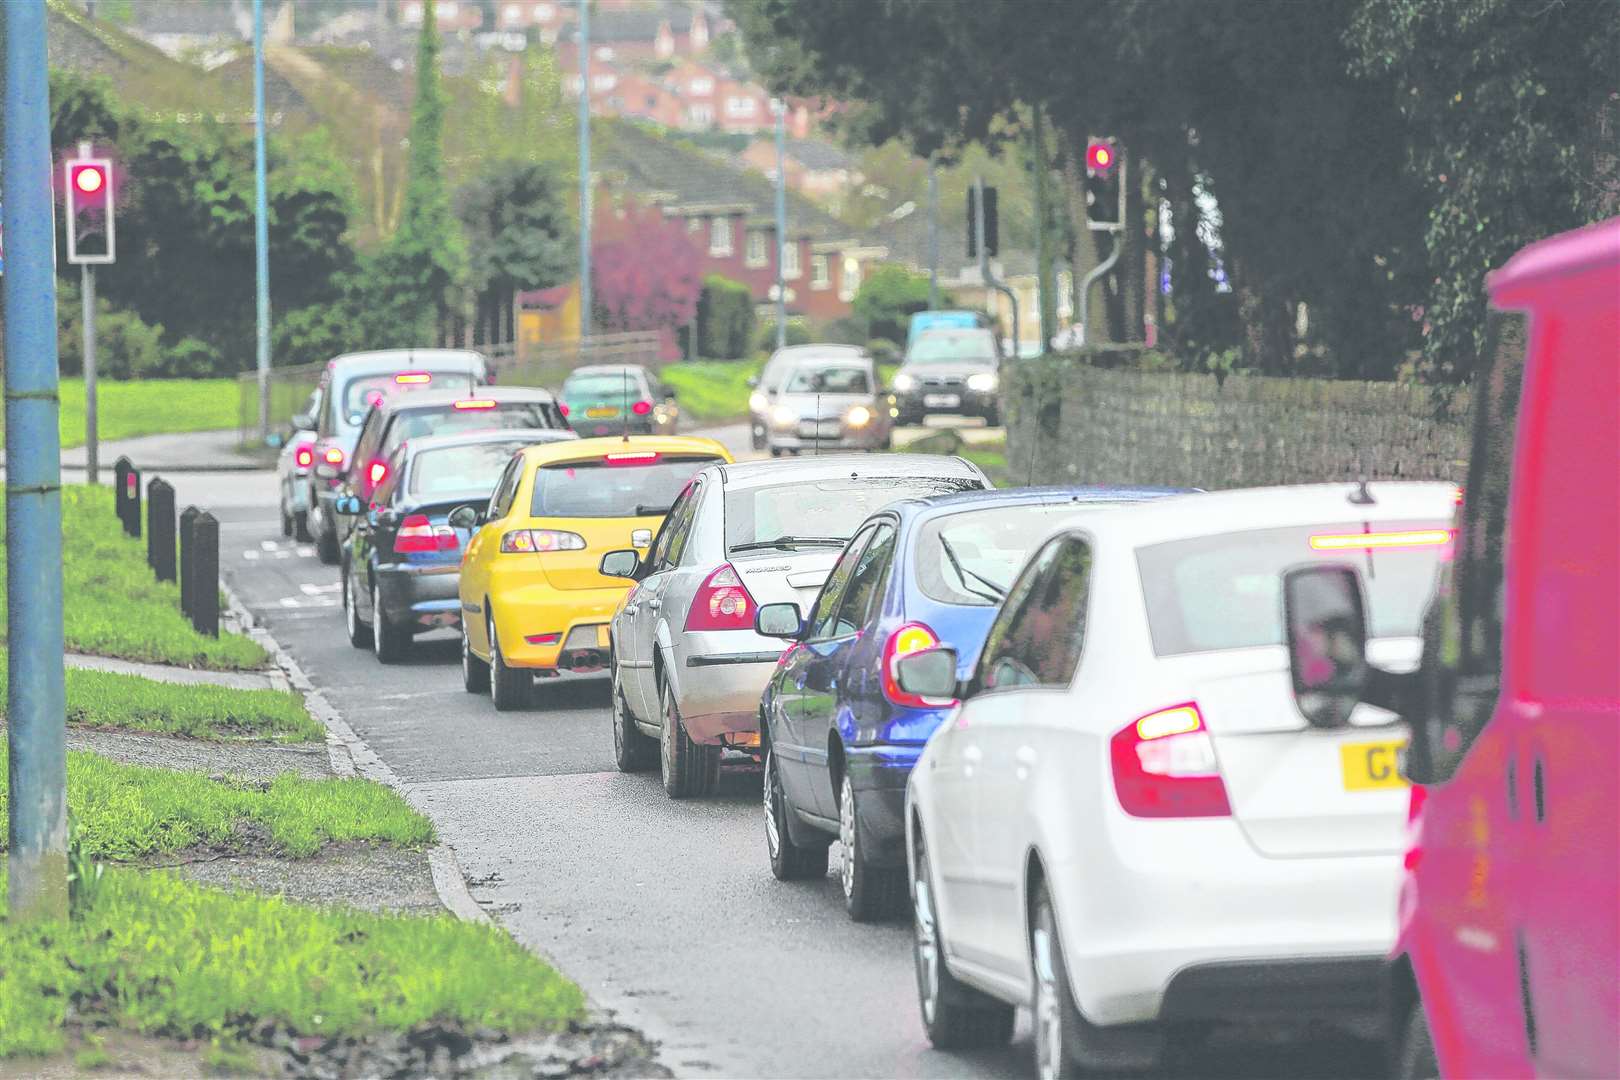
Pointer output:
x,y
817,451
1362,496
624,410
1029,479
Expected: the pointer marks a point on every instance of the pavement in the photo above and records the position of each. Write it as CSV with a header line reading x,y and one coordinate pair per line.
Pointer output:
x,y
196,451
665,912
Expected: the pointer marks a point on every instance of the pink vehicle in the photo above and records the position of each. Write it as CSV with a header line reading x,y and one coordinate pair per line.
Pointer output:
x,y
1507,962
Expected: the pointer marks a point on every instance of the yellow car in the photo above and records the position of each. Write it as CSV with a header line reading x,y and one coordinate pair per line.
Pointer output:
x,y
532,597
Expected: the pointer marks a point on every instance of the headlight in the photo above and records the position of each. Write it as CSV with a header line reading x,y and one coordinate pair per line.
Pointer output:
x,y
859,416
902,381
757,402
983,382
784,416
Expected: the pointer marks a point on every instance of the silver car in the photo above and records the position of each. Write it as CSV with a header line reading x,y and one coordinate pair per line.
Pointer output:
x,y
687,664
830,404
768,384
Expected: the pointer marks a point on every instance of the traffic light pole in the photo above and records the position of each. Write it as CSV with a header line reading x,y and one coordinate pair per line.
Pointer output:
x,y
984,258
779,107
1096,273
87,288
36,707
933,232
584,170
261,227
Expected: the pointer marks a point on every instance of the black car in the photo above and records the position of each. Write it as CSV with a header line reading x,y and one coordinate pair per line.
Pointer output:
x,y
392,421
954,372
402,561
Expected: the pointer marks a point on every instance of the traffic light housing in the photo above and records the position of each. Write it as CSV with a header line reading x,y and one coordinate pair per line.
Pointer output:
x,y
1102,184
992,232
90,230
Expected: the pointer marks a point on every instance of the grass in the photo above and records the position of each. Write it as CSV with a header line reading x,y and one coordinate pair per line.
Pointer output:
x,y
153,954
717,390
107,699
149,407
125,812
114,606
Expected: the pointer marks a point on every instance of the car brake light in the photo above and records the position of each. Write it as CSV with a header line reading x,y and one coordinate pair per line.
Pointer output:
x,y
642,457
562,407
416,533
722,603
333,455
376,472
542,639
1164,766
910,638
475,403
519,541
1405,538
410,377
1414,827
304,456
641,408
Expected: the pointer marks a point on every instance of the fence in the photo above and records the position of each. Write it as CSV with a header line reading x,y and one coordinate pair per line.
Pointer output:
x,y
1069,422
290,388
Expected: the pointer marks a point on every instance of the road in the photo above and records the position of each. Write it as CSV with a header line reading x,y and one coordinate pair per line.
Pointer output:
x,y
665,912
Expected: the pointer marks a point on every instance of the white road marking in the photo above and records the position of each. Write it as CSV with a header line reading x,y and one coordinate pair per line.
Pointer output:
x,y
315,590
250,554
306,550
268,545
284,554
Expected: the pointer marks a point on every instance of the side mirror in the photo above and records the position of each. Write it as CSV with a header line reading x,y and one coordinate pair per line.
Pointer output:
x,y
347,505
752,382
1326,623
779,621
275,440
303,422
670,394
930,673
622,564
464,517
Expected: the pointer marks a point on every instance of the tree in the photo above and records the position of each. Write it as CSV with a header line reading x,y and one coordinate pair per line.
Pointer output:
x,y
645,270
520,235
887,299
426,258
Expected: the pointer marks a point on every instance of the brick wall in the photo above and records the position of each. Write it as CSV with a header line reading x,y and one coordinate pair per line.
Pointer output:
x,y
1095,425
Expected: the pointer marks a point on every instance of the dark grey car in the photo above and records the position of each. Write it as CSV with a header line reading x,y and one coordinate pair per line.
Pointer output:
x,y
953,372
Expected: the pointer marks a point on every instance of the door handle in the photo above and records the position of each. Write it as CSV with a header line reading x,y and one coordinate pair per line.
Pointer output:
x,y
798,681
630,609
655,605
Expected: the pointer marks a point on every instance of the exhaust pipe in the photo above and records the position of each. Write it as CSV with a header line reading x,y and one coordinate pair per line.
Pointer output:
x,y
585,660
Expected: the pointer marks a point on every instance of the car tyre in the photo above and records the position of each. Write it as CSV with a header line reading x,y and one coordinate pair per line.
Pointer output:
x,y
756,436
508,687
474,672
1415,1058
776,451
789,861
992,416
326,546
359,632
286,522
687,769
870,892
632,750
389,640
955,1016
301,527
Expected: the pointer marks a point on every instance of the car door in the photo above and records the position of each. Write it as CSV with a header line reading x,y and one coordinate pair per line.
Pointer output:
x,y
475,562
372,537
795,744
647,597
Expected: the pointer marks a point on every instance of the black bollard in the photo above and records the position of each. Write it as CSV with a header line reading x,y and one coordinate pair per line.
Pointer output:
x,y
205,590
122,470
160,528
188,557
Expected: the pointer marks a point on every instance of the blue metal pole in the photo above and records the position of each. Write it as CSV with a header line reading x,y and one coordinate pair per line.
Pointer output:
x,y
584,169
36,708
261,229
780,108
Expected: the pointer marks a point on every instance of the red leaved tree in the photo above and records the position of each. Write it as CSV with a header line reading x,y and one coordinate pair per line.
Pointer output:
x,y
645,272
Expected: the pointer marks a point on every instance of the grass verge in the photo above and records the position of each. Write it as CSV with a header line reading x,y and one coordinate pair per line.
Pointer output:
x,y
711,391
126,811
112,604
107,699
149,407
153,954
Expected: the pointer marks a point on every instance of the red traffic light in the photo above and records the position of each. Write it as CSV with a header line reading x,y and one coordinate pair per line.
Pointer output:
x,y
89,178
1100,156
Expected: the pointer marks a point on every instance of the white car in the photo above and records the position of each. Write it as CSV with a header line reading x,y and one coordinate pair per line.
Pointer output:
x,y
1127,824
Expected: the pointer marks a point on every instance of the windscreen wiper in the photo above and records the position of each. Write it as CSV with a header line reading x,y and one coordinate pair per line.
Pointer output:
x,y
994,593
784,542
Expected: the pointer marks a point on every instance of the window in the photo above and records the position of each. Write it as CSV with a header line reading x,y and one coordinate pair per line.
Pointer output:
x,y
443,420
866,583
603,489
833,508
822,621
720,236
412,14
694,225
951,346
820,272
741,106
701,86
790,259
671,543
448,9
700,115
544,12
384,495
1462,640
456,469
757,255
514,14
971,558
500,501
604,82
851,283
1037,638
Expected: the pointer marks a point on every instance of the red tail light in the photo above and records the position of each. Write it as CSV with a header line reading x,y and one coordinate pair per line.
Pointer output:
x,y
640,457
542,639
910,638
1164,766
305,456
722,603
562,407
416,533
641,408
376,472
1414,827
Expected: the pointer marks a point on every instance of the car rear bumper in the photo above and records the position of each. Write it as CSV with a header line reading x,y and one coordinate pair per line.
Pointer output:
x,y
575,616
1296,988
420,597
719,681
879,775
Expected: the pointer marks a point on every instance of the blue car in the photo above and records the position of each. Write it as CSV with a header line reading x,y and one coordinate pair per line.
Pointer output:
x,y
838,733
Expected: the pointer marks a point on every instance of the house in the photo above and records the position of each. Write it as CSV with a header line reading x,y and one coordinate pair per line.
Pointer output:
x,y
639,97
815,167
448,15
186,30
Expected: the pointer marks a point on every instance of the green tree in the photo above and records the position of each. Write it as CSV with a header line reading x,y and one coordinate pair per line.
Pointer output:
x,y
520,233
887,299
426,258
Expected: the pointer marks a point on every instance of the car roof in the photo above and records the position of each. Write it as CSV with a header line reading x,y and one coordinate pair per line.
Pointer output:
x,y
1247,509
808,352
800,363
424,443
380,361
585,449
827,466
608,369
1057,496
424,399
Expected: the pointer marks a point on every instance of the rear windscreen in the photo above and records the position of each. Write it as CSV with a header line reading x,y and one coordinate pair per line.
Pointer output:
x,y
1225,591
612,389
361,391
825,508
454,469
605,489
445,419
972,557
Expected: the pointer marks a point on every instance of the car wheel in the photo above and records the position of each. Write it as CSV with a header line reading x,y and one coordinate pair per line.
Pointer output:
x,y
757,437
286,521
686,768
776,451
870,892
992,418
326,546
632,751
359,632
301,527
389,641
474,672
955,1016
1415,1059
789,861
508,687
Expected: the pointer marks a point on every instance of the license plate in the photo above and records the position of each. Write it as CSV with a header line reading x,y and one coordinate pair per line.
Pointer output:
x,y
1371,766
826,429
601,411
942,401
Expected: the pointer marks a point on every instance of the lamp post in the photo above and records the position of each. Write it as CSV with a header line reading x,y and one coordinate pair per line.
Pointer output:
x,y
261,225
779,108
584,170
